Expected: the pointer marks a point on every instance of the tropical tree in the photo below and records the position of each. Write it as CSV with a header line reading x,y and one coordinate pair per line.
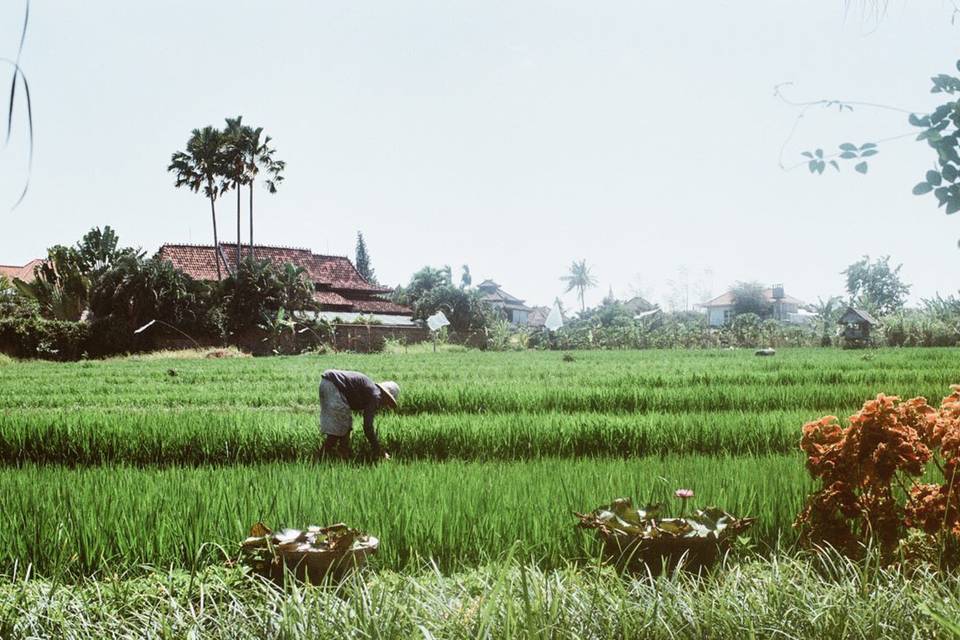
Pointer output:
x,y
748,297
234,174
363,259
580,279
876,286
827,314
466,279
261,288
137,290
201,167
62,284
259,159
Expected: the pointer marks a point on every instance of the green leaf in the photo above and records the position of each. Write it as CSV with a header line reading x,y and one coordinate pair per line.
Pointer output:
x,y
848,146
833,163
868,145
861,167
941,193
807,154
953,205
919,121
868,153
819,153
922,188
940,113
933,178
949,172
848,155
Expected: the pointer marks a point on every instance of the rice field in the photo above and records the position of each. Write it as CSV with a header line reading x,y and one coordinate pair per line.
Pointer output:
x,y
456,513
130,467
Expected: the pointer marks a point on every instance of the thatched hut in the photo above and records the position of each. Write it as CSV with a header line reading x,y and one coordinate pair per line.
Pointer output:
x,y
856,325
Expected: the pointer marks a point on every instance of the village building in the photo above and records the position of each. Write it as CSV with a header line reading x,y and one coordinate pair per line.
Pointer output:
x,y
24,272
342,293
637,304
785,308
512,308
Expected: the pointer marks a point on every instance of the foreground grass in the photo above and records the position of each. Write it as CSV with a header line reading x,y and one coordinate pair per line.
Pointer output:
x,y
782,597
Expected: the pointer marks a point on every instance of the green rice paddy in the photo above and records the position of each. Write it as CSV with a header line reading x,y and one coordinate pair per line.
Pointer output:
x,y
131,463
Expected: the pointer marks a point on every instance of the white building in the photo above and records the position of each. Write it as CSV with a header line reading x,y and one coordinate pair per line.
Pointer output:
x,y
784,308
513,309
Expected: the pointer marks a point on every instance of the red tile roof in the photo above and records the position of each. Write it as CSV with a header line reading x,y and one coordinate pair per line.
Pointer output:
x,y
340,287
376,305
331,298
25,272
337,272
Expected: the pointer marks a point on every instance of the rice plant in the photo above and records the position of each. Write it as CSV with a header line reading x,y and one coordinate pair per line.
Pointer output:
x,y
101,519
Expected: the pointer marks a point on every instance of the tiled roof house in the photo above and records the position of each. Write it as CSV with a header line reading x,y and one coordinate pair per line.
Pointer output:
x,y
513,308
24,273
340,289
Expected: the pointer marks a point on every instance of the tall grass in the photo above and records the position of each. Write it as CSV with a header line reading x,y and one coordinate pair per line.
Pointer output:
x,y
102,519
780,597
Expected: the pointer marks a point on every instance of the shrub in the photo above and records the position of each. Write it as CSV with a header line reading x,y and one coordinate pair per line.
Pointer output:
x,y
47,339
870,472
259,289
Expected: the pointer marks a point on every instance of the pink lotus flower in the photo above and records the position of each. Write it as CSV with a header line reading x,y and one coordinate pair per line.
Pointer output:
x,y
683,494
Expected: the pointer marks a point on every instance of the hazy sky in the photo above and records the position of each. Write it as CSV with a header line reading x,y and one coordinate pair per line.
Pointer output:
x,y
511,136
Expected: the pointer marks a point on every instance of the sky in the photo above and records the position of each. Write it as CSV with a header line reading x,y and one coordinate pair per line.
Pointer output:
x,y
511,136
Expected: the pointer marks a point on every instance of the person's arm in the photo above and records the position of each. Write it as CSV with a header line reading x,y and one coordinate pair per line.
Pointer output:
x,y
368,414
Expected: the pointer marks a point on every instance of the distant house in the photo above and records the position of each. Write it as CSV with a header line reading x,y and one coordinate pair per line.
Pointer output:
x,y
339,288
512,308
637,304
785,308
24,273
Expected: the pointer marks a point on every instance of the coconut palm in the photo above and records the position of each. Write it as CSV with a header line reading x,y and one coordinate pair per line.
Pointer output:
x,y
258,157
235,141
580,279
200,167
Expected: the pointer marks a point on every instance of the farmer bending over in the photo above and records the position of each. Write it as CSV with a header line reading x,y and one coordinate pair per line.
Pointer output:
x,y
342,393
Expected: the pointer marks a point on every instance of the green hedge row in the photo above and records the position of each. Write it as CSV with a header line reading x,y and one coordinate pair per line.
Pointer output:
x,y
48,339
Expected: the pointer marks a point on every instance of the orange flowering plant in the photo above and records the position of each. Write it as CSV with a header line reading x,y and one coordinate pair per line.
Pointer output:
x,y
870,472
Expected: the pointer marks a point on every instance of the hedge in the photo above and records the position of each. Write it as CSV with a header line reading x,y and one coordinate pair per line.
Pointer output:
x,y
47,339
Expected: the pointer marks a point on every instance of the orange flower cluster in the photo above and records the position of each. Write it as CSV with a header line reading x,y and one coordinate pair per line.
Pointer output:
x,y
886,445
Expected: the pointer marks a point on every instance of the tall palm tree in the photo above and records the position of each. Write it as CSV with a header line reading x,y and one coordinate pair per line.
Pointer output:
x,y
259,158
234,175
200,167
581,279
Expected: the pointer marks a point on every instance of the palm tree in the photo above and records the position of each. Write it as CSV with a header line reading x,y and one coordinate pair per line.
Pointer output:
x,y
580,279
199,167
235,137
827,313
259,157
